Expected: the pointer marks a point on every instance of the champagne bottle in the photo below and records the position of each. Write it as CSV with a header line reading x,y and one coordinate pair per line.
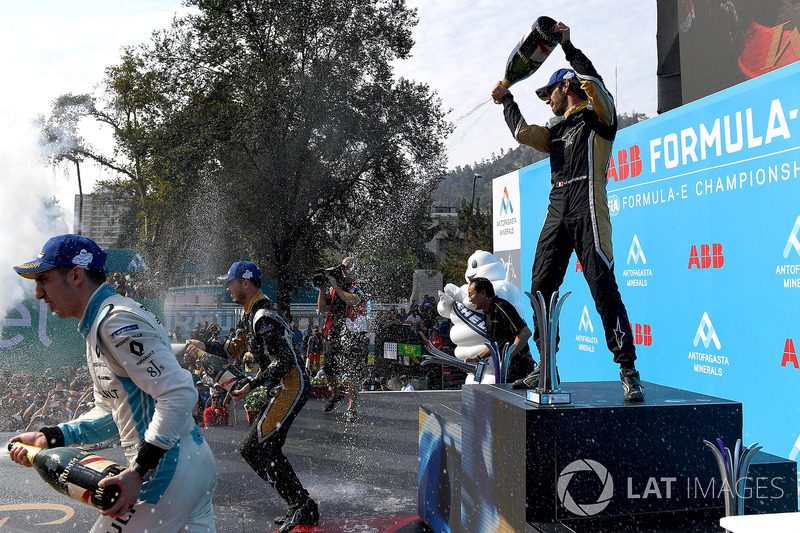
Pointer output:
x,y
75,472
532,50
230,377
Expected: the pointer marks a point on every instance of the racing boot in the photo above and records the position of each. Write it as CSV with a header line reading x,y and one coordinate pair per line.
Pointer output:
x,y
634,392
531,381
305,514
331,403
283,518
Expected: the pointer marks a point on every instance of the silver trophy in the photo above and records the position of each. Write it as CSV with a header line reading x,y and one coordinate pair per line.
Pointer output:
x,y
501,358
440,358
548,392
733,469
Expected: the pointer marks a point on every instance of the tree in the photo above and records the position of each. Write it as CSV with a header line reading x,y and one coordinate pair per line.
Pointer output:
x,y
130,107
59,139
471,232
307,135
276,131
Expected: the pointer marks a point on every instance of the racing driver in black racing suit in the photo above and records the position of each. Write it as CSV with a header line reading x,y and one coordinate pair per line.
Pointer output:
x,y
269,339
577,215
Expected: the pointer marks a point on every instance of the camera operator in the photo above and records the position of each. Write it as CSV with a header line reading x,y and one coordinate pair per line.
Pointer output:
x,y
345,331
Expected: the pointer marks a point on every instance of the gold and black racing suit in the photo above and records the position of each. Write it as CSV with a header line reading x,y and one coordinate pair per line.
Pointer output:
x,y
270,338
577,215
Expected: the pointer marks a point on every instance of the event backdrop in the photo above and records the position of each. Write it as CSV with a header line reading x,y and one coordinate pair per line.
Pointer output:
x,y
705,204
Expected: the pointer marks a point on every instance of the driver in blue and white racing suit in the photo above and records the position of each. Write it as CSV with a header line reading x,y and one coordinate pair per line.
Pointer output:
x,y
140,393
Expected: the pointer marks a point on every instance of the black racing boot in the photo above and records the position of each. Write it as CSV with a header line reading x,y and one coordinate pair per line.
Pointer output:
x,y
283,518
331,403
306,514
531,381
634,392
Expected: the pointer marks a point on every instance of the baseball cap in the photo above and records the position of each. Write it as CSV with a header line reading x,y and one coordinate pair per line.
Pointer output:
x,y
563,74
65,250
242,270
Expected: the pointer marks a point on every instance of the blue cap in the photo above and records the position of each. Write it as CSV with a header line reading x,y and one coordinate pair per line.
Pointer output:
x,y
65,250
564,74
242,270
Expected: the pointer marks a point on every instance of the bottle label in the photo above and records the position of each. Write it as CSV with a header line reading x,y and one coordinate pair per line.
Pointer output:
x,y
81,476
227,380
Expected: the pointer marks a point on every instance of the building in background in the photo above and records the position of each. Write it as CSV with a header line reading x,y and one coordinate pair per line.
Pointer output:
x,y
100,220
438,242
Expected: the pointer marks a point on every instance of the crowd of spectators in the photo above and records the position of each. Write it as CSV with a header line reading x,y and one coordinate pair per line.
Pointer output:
x,y
35,400
141,285
58,395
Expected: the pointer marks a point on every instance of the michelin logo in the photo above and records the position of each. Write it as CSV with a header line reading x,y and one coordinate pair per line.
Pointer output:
x,y
82,259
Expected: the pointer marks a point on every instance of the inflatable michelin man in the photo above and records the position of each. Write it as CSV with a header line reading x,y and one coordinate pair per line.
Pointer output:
x,y
468,331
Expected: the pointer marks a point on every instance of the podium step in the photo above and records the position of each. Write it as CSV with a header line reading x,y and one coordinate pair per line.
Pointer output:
x,y
507,463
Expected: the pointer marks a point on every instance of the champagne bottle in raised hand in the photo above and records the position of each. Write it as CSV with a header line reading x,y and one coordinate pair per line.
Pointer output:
x,y
75,472
532,50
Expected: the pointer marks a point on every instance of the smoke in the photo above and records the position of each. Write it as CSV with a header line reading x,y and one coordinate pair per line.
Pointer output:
x,y
28,213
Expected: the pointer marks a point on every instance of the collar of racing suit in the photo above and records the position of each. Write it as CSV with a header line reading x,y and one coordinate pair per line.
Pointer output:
x,y
575,108
252,302
93,307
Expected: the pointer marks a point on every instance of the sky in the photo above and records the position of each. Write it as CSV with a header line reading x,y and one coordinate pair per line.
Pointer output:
x,y
52,47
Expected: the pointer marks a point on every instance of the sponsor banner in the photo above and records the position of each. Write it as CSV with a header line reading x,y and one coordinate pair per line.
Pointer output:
x,y
32,338
506,212
706,218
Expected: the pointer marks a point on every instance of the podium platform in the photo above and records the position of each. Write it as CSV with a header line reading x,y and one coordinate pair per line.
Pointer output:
x,y
494,462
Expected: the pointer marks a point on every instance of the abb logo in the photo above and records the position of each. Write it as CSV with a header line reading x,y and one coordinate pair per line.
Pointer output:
x,y
789,355
629,164
709,256
642,334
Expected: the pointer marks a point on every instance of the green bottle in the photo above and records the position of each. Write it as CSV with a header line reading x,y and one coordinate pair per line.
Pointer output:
x,y
75,472
532,50
230,377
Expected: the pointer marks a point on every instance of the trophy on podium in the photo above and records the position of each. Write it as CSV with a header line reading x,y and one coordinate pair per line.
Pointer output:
x,y
548,392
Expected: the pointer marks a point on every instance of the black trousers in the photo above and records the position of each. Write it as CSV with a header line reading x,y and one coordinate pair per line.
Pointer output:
x,y
262,448
578,220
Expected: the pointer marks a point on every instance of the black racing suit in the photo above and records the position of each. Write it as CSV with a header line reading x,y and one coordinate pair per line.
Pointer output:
x,y
269,339
577,216
503,324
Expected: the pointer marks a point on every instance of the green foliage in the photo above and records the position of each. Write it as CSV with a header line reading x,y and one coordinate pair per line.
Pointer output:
x,y
256,399
275,130
472,231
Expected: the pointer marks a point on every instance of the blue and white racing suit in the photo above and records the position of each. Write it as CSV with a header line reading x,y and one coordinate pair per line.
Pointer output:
x,y
141,393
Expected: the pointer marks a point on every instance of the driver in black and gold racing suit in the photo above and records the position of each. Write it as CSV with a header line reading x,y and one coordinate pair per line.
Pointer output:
x,y
269,339
577,215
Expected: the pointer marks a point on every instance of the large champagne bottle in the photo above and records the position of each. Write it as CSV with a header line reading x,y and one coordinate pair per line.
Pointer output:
x,y
532,50
75,472
230,377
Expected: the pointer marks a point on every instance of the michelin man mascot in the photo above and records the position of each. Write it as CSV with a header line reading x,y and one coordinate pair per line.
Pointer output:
x,y
468,331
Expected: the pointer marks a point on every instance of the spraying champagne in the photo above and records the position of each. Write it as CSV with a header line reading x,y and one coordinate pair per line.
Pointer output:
x,y
531,52
75,472
227,375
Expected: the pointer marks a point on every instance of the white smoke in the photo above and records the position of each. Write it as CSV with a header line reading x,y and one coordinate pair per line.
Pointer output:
x,y
27,214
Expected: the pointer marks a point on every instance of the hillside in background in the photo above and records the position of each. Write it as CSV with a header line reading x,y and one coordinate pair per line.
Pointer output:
x,y
458,183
